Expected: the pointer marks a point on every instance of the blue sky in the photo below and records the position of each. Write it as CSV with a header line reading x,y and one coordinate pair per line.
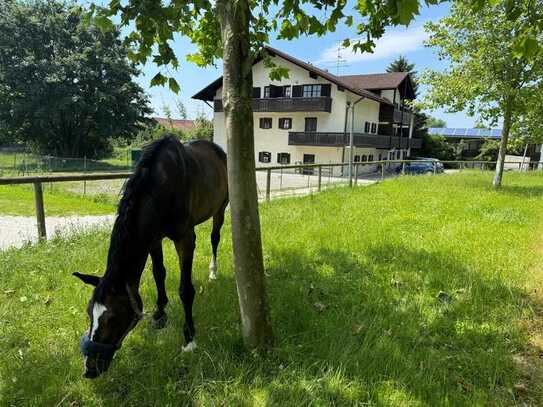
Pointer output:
x,y
319,51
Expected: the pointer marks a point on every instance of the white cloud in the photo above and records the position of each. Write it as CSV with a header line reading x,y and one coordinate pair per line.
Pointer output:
x,y
394,42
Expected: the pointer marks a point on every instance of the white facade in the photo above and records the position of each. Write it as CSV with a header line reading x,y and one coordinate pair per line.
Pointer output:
x,y
275,140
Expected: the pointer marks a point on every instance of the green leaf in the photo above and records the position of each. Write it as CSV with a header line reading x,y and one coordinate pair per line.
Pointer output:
x,y
407,10
174,86
103,23
158,80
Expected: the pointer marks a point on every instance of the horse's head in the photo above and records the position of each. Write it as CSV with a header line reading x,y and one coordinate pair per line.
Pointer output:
x,y
113,310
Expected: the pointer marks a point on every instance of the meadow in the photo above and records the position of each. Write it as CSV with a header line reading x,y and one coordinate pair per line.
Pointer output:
x,y
417,291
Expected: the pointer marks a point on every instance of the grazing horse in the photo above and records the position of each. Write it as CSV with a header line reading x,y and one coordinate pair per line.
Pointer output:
x,y
174,187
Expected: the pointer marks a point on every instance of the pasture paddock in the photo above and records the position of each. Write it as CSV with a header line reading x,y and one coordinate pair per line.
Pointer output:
x,y
413,291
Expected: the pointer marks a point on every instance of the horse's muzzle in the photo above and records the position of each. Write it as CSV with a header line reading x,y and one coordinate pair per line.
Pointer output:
x,y
98,356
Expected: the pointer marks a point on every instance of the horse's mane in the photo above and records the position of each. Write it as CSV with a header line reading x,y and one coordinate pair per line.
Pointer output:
x,y
137,185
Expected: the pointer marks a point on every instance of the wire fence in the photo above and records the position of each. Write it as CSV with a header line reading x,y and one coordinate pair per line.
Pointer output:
x,y
22,163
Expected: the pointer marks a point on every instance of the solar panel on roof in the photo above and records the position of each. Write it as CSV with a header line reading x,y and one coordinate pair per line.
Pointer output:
x,y
472,132
496,133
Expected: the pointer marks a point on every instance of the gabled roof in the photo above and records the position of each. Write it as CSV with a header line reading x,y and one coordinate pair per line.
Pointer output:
x,y
209,91
375,81
175,123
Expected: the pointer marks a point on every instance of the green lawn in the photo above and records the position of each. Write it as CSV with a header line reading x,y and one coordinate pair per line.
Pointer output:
x,y
411,292
19,200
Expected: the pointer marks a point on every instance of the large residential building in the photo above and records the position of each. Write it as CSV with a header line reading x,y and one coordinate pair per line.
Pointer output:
x,y
307,117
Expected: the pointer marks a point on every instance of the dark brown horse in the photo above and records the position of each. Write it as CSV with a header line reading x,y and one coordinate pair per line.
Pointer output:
x,y
174,188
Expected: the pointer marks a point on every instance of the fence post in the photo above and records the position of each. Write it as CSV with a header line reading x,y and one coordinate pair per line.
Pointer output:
x,y
435,167
382,171
40,212
356,174
319,179
268,185
85,170
403,168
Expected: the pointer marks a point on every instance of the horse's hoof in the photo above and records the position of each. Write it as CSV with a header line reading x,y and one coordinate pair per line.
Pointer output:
x,y
191,346
160,322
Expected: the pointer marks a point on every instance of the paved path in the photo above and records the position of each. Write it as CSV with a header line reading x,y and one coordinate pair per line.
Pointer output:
x,y
15,231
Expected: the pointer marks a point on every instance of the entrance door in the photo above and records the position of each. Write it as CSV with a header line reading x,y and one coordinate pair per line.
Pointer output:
x,y
309,159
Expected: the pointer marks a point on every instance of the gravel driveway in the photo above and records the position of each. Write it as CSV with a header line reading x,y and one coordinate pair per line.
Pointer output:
x,y
15,231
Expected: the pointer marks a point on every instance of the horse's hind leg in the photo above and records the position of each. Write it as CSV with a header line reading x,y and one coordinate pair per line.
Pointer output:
x,y
185,249
159,273
218,221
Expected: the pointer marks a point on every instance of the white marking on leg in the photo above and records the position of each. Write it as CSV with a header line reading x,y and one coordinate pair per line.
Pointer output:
x,y
97,311
191,346
213,268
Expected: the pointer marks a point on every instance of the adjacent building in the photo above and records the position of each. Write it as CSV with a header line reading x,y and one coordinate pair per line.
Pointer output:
x,y
307,118
470,140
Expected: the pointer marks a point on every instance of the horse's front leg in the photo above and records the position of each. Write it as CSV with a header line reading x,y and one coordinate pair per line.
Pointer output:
x,y
159,273
185,250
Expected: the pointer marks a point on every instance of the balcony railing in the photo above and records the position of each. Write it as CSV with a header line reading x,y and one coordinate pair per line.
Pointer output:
x,y
389,114
360,140
295,104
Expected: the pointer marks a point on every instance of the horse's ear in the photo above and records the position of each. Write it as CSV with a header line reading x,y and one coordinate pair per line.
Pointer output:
x,y
87,278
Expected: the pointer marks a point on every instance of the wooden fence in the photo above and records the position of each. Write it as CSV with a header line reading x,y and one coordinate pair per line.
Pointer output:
x,y
37,181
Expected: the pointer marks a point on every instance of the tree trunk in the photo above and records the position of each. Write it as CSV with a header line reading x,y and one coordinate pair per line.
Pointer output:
x,y
497,182
247,245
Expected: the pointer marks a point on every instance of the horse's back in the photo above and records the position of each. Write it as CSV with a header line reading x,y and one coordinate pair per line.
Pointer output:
x,y
206,171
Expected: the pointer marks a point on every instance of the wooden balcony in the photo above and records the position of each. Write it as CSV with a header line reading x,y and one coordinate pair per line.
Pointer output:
x,y
321,139
314,104
390,114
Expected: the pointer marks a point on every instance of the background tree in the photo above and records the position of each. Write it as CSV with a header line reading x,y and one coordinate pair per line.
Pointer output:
x,y
181,109
435,122
401,64
65,86
494,70
235,30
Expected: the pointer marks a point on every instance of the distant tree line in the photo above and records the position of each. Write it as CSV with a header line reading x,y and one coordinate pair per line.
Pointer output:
x,y
66,86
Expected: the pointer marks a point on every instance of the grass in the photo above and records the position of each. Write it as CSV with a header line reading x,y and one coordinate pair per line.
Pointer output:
x,y
412,292
19,200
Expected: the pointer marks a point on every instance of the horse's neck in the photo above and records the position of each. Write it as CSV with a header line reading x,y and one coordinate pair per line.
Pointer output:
x,y
127,253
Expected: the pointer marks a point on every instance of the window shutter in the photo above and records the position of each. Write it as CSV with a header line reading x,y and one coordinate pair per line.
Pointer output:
x,y
325,90
256,93
297,91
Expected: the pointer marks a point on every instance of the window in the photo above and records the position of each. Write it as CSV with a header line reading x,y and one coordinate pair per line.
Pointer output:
x,y
366,127
356,158
311,91
374,128
256,93
370,157
265,123
364,157
264,157
310,124
398,155
266,91
286,91
380,157
283,158
285,123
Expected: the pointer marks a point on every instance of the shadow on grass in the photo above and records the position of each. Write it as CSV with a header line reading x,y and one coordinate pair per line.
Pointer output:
x,y
350,328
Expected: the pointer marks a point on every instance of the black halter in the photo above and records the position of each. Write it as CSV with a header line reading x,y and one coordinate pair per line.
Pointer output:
x,y
95,349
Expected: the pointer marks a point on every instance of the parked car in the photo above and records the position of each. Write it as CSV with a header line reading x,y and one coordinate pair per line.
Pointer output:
x,y
423,165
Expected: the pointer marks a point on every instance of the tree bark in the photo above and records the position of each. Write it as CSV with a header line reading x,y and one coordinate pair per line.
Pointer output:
x,y
497,182
247,245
